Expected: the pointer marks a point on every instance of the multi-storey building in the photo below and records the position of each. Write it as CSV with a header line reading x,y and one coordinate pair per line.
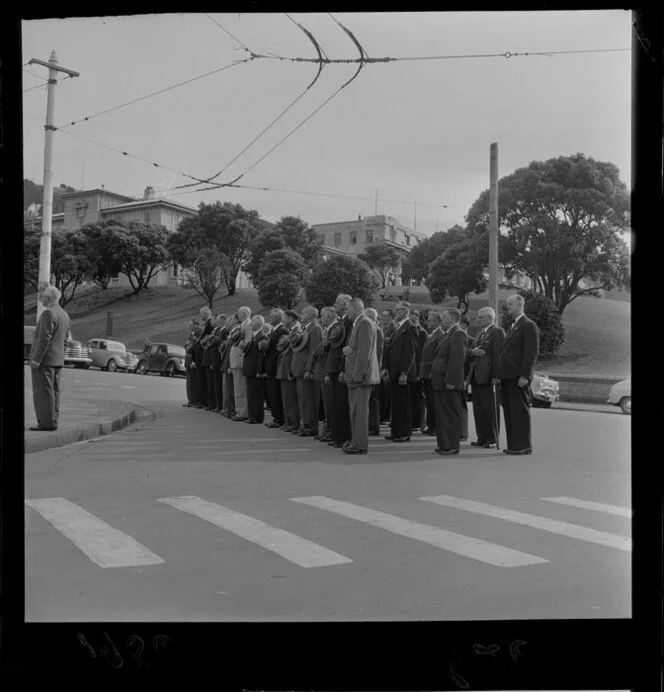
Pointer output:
x,y
354,237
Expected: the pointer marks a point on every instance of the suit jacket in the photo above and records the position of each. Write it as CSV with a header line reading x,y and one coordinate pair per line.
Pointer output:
x,y
400,353
301,351
338,335
198,354
485,368
48,343
320,359
421,338
213,342
272,355
361,366
428,353
225,350
519,351
380,344
253,359
285,357
447,366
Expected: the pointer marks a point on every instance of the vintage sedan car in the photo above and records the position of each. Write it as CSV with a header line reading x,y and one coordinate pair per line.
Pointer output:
x,y
545,391
621,395
166,359
111,355
76,354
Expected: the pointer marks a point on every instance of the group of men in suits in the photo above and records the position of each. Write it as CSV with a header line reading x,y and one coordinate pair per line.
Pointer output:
x,y
334,375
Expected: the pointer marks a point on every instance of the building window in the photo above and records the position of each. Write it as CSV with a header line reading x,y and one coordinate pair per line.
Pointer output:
x,y
369,236
80,210
322,237
407,240
353,237
337,240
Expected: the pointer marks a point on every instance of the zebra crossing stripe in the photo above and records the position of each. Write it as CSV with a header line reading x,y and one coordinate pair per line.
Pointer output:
x,y
291,547
473,548
562,528
587,504
104,545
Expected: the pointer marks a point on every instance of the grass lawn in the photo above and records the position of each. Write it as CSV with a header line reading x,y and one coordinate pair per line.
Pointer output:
x,y
597,330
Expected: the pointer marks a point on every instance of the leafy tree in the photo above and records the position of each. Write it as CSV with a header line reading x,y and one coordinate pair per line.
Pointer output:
x,y
383,259
104,242
283,273
260,247
31,247
416,266
459,271
341,274
563,220
70,263
142,253
230,229
543,312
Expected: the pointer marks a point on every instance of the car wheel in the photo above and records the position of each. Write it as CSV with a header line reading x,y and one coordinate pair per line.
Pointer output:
x,y
142,368
111,366
626,404
170,370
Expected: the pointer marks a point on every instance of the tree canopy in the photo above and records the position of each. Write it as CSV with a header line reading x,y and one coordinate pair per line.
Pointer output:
x,y
383,259
104,240
563,221
341,274
418,263
282,276
142,252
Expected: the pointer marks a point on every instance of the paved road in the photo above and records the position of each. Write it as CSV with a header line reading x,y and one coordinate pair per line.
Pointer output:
x,y
196,518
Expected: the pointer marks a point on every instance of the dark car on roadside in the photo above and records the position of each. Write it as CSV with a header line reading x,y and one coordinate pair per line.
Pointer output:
x,y
166,359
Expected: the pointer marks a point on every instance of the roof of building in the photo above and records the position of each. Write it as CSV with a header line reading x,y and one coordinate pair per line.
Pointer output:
x,y
147,203
87,192
382,219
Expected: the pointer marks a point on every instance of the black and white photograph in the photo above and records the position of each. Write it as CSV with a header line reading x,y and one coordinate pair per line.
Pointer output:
x,y
397,246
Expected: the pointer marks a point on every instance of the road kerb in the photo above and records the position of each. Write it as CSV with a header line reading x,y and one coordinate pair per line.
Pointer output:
x,y
105,426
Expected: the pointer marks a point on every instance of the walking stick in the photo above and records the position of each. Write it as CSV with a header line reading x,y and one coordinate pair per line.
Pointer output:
x,y
495,400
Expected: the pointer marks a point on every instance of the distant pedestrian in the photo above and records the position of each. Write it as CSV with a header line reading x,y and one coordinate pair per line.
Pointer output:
x,y
517,357
47,358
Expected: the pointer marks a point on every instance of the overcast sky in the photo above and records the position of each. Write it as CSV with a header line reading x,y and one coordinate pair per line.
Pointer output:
x,y
414,131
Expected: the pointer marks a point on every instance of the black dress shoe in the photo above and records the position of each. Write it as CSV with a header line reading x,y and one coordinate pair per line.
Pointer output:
x,y
401,439
477,443
353,450
446,452
517,451
338,445
36,427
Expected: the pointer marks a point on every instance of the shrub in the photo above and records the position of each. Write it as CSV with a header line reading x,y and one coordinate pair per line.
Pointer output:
x,y
341,274
542,311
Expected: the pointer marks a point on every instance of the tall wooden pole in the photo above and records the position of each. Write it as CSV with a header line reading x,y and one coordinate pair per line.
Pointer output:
x,y
493,229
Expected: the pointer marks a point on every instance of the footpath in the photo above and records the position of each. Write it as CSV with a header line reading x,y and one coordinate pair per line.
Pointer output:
x,y
81,418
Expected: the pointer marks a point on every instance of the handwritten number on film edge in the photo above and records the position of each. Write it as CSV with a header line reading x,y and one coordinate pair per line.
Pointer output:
x,y
113,657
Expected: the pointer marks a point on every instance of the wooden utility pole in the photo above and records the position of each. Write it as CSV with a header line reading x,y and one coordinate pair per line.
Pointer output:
x,y
376,204
493,229
47,200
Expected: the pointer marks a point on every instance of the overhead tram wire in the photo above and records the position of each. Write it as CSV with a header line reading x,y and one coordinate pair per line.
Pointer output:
x,y
237,40
297,127
283,112
155,93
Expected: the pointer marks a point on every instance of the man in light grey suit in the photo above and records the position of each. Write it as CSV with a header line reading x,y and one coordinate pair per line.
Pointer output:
x,y
362,373
47,358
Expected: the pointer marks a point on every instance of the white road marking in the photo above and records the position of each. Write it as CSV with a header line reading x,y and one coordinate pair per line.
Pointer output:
x,y
587,504
128,386
79,381
291,547
582,533
104,384
473,548
93,389
104,545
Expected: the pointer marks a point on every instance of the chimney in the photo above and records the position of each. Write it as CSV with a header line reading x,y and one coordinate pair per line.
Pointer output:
x,y
149,192
359,217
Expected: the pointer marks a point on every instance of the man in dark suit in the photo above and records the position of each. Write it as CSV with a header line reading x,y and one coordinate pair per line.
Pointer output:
x,y
362,373
398,365
214,341
384,388
302,366
190,373
199,359
374,398
428,353
338,338
47,358
271,356
448,382
284,374
228,390
464,323
483,378
251,366
517,357
328,316
415,387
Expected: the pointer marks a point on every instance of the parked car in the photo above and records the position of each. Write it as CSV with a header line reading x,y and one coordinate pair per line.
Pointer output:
x,y
76,354
545,391
621,395
111,355
166,359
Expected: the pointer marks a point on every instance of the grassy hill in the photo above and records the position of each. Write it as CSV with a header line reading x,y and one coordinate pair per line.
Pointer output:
x,y
597,330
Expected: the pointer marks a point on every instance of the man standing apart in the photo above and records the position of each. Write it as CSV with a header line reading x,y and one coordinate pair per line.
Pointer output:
x,y
483,378
271,355
517,357
435,320
47,358
398,364
362,373
448,382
